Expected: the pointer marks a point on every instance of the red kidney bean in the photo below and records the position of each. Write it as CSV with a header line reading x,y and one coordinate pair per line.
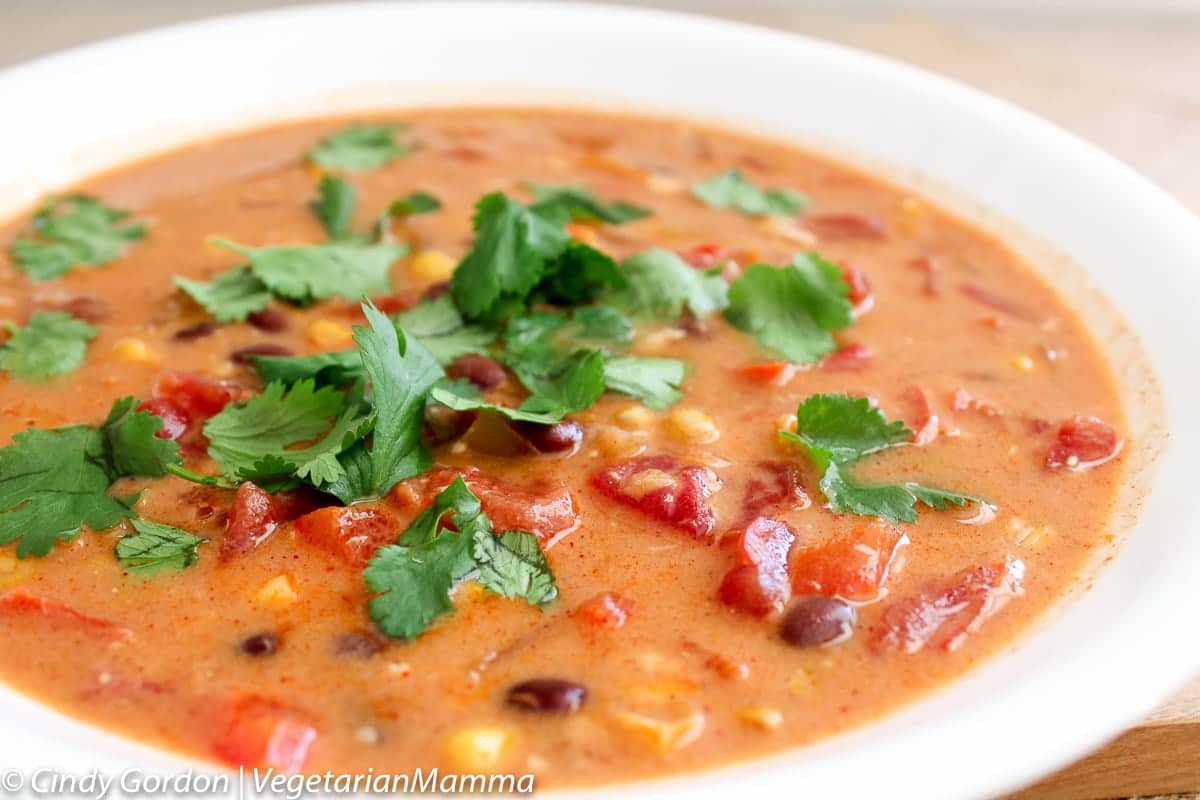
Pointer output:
x,y
445,424
486,373
260,644
818,622
86,308
548,694
846,225
271,320
197,331
436,290
243,354
358,644
556,438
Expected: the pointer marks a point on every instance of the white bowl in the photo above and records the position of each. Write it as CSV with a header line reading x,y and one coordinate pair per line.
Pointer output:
x,y
1093,666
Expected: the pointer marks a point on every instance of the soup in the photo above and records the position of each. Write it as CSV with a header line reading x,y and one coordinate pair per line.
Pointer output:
x,y
586,446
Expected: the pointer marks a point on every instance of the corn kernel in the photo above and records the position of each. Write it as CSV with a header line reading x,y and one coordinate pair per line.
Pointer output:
x,y
693,425
787,422
279,592
131,349
663,735
789,231
660,339
583,233
635,418
1023,363
663,184
763,717
648,481
432,265
472,590
1027,535
616,443
479,747
610,164
329,335
800,684
13,571
912,207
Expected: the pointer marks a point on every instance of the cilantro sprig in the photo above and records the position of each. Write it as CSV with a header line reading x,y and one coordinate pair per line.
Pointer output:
x,y
661,285
51,343
72,231
733,190
334,205
581,204
836,431
155,547
452,538
359,147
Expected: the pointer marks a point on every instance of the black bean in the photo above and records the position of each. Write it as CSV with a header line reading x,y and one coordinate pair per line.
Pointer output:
x,y
260,644
486,373
242,354
271,320
358,644
197,331
818,622
547,694
554,438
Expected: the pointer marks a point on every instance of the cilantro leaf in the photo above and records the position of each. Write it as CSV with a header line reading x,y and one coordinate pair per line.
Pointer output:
x,y
661,284
359,147
654,381
572,382
513,565
836,431
334,206
579,203
401,373
76,230
53,482
51,343
413,204
466,398
157,547
231,296
304,273
732,190
440,327
791,310
334,368
579,275
512,248
603,322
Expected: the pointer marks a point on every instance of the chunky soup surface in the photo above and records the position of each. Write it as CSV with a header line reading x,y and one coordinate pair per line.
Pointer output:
x,y
714,596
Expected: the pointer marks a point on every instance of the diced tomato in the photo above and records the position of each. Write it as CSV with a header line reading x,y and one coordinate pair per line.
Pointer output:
x,y
185,401
663,489
860,290
1083,443
24,601
943,617
846,225
772,486
545,509
467,152
962,400
252,518
851,358
703,256
352,533
996,301
922,419
175,422
758,583
605,610
391,303
854,566
770,373
260,732
929,265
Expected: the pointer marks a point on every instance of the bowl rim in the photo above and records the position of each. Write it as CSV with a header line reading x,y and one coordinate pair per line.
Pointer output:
x,y
907,750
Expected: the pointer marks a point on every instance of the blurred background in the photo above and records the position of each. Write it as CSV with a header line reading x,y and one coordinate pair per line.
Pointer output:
x,y
1123,73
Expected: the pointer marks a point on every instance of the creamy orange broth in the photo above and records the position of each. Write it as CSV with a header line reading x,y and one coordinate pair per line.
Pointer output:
x,y
681,654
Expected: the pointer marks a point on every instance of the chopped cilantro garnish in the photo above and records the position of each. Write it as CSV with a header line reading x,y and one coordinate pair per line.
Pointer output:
x,y
792,310
654,381
579,203
72,231
334,206
580,275
304,273
413,204
412,579
359,147
661,284
231,296
732,190
156,547
53,482
440,327
603,323
336,368
836,431
52,343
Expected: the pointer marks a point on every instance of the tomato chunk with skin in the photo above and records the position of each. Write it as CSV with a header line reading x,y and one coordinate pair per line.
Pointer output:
x,y
772,487
758,584
851,358
663,489
352,533
185,402
605,610
260,732
847,225
853,566
944,616
546,510
252,518
26,602
1083,443
860,289
921,418
770,373
706,255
